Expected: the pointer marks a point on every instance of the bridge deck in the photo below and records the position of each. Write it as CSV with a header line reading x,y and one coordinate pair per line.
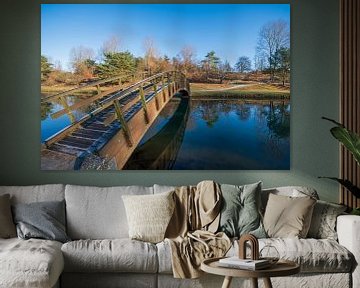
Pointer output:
x,y
93,133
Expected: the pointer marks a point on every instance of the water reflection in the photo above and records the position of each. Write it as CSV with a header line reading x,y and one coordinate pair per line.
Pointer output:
x,y
50,126
160,151
224,134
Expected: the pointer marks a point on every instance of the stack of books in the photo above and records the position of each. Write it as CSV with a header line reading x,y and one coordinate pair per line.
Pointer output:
x,y
248,264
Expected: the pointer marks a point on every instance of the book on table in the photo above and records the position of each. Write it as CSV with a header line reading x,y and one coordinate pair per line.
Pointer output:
x,y
236,262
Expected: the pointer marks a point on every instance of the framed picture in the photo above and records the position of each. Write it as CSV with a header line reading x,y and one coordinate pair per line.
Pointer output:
x,y
165,86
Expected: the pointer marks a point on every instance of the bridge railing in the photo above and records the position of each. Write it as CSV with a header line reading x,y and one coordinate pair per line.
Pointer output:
x,y
117,83
173,80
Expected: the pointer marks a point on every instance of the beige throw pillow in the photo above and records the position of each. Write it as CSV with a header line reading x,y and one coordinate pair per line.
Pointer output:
x,y
288,217
7,226
149,215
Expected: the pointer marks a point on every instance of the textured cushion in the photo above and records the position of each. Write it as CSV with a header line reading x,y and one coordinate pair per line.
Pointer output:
x,y
323,222
293,191
240,210
287,216
313,255
7,227
149,215
30,263
44,220
117,255
98,213
36,193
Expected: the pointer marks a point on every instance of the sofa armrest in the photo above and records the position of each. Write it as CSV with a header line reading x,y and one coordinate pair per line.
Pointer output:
x,y
348,230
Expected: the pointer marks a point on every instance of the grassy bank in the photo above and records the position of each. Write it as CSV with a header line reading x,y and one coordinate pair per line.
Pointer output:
x,y
244,91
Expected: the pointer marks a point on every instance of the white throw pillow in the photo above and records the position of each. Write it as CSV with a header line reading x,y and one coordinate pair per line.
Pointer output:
x,y
149,215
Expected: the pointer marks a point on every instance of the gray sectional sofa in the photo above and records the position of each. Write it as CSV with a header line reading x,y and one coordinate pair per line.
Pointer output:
x,y
101,254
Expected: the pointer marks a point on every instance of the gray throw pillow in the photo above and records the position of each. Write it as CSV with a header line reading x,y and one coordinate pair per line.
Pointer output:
x,y
323,222
44,220
7,226
240,213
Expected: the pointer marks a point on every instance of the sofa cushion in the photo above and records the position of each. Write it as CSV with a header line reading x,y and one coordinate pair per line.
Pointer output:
x,y
163,188
98,213
7,226
36,193
313,255
117,255
109,280
30,263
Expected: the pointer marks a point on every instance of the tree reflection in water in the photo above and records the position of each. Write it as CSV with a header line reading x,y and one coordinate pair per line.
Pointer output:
x,y
277,118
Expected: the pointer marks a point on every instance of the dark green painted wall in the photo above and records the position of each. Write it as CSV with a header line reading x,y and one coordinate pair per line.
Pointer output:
x,y
315,74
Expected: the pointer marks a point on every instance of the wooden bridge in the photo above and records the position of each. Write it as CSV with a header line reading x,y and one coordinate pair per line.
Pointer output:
x,y
116,121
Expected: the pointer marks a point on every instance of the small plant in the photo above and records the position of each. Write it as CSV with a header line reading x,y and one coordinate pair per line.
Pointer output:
x,y
351,141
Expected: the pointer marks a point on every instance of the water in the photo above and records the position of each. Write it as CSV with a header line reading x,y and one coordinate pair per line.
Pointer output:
x,y
220,134
50,126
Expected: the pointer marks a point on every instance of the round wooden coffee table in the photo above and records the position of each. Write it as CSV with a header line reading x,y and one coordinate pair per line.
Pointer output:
x,y
281,268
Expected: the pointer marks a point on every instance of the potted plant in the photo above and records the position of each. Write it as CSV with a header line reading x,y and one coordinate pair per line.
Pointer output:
x,y
351,141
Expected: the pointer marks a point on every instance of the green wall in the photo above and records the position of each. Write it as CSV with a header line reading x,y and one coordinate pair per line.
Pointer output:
x,y
315,74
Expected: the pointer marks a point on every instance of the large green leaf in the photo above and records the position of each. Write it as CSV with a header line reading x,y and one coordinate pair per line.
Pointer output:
x,y
347,184
348,138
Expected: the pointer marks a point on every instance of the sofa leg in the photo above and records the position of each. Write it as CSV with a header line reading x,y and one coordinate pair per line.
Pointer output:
x,y
227,282
267,282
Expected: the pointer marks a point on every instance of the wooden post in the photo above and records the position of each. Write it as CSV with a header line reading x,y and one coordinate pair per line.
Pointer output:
x,y
67,108
169,85
98,89
163,88
143,103
156,98
120,82
124,126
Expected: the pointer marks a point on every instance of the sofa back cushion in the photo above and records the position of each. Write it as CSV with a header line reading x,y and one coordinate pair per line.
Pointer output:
x,y
36,193
7,226
98,213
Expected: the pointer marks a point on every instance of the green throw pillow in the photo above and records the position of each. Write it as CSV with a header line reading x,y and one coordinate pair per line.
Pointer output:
x,y
240,213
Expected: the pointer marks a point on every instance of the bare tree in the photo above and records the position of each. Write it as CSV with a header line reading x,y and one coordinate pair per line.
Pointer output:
x,y
150,55
260,61
111,45
187,55
243,64
272,37
82,62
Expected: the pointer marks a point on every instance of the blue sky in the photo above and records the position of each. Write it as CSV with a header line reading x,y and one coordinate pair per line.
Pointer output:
x,y
231,30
